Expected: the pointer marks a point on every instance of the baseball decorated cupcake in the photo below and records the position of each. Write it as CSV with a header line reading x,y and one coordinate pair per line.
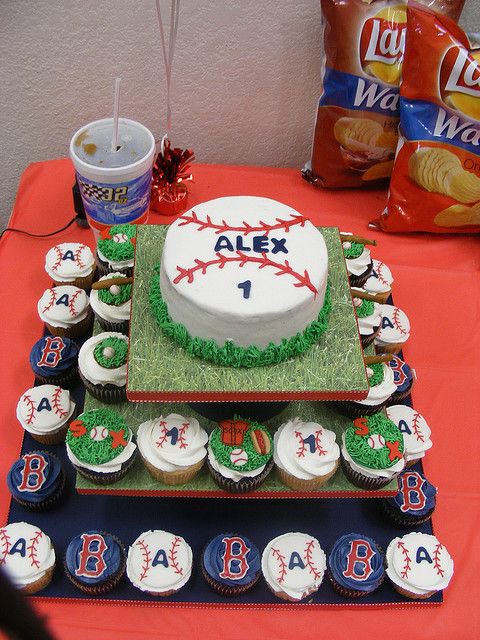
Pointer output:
x,y
70,263
231,564
27,556
102,363
379,283
159,563
66,312
95,562
403,377
415,501
36,480
293,566
306,454
116,249
369,318
380,379
372,452
100,446
45,412
355,565
358,260
415,431
418,565
111,301
54,360
394,330
173,448
239,455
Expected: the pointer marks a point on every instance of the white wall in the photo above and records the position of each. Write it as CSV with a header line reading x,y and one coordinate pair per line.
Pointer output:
x,y
245,89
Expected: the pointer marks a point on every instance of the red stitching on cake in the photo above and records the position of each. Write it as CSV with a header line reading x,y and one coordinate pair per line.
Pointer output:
x,y
71,305
5,543
51,302
246,228
181,435
146,559
77,255
59,258
407,560
31,411
283,565
396,321
56,403
436,560
33,549
318,443
172,556
242,259
300,452
378,271
416,429
309,560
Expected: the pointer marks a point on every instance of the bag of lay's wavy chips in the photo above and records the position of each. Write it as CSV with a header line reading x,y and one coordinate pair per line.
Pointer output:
x,y
435,184
356,128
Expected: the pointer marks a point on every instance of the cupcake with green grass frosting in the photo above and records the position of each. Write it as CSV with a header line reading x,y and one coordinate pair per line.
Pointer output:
x,y
372,452
369,319
116,249
381,388
100,446
102,363
111,300
240,455
358,260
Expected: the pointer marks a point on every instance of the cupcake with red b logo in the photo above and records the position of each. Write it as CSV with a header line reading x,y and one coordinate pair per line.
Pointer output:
x,y
36,480
355,565
231,564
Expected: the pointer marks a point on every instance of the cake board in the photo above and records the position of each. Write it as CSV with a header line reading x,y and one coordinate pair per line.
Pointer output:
x,y
161,371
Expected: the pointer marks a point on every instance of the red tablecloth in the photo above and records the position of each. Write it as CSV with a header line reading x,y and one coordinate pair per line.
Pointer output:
x,y
437,283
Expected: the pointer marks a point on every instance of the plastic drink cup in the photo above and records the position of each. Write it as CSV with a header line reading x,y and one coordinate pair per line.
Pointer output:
x,y
114,185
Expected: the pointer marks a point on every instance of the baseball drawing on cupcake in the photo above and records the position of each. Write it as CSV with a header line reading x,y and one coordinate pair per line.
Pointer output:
x,y
306,454
415,431
239,455
394,330
27,556
293,566
116,249
379,283
65,310
44,412
70,263
159,563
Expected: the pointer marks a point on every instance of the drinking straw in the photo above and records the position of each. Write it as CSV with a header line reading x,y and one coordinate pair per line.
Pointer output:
x,y
116,102
168,53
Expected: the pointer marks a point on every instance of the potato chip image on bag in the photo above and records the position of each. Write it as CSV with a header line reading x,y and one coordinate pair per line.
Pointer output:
x,y
435,184
358,113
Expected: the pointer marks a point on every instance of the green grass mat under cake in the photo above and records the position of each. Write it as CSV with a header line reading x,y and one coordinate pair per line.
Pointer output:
x,y
138,478
158,364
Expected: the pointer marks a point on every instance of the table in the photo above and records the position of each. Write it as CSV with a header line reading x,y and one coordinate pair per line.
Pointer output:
x,y
437,282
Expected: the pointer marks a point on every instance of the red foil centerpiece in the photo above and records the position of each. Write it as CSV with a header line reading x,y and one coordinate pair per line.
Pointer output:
x,y
171,172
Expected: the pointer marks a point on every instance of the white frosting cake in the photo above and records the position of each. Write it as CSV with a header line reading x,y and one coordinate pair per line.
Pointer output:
x,y
243,269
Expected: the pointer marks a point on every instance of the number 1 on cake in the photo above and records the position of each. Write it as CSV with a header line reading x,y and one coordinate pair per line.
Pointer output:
x,y
245,286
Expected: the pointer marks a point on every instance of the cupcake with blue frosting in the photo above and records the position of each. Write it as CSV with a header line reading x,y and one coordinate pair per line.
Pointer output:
x,y
231,564
36,481
355,565
54,360
95,562
414,502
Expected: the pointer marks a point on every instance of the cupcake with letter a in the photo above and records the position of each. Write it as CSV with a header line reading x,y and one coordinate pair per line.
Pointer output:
x,y
372,452
45,412
36,480
70,263
418,565
306,454
102,363
355,565
172,448
239,455
231,564
65,310
394,330
95,562
100,446
159,563
293,566
415,431
111,301
27,556
116,249
379,283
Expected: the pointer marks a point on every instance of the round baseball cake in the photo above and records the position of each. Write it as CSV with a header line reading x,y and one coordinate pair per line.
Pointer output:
x,y
243,270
